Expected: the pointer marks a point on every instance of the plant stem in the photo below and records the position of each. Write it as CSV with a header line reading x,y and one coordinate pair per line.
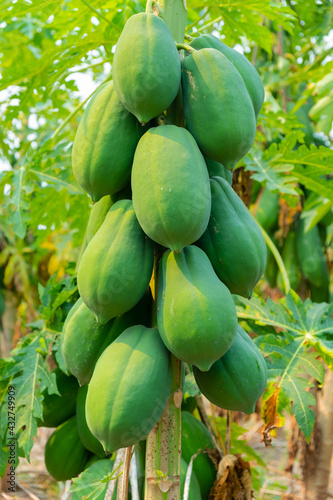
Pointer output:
x,y
278,259
228,432
206,421
122,490
185,46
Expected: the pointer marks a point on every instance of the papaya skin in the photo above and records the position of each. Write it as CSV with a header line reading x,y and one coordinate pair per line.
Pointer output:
x,y
196,315
146,66
217,107
88,440
216,169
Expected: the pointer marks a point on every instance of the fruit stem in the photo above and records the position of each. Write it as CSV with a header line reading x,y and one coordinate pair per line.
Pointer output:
x,y
122,489
185,46
149,6
278,259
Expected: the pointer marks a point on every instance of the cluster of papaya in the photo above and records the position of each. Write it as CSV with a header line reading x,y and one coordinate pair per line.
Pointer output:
x,y
302,250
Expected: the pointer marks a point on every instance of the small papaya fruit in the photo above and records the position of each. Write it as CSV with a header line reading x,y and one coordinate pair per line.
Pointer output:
x,y
117,264
170,185
104,144
196,437
194,493
267,211
58,408
84,339
290,260
196,315
238,379
233,241
247,71
88,440
217,107
146,66
216,169
65,455
97,216
129,388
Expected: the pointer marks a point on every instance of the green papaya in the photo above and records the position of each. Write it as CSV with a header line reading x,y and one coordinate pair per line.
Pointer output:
x,y
271,269
189,404
117,264
146,66
88,440
196,315
216,169
233,241
194,493
196,437
247,71
65,455
217,107
57,409
311,255
129,388
290,260
84,339
238,379
104,144
97,216
267,212
320,293
170,186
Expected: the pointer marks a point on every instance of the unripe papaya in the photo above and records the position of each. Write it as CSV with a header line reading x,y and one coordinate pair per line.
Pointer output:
x,y
65,455
217,107
196,314
104,144
320,293
271,269
146,66
97,216
247,71
84,339
196,437
268,209
88,439
238,379
57,409
194,493
216,169
129,388
170,186
116,266
290,260
233,241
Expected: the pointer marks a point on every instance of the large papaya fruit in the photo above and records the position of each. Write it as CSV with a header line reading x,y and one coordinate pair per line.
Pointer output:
x,y
217,106
146,66
65,455
216,169
129,388
104,144
233,240
311,255
58,408
247,71
290,259
196,315
88,439
194,493
116,266
97,216
268,209
84,339
196,437
170,186
238,379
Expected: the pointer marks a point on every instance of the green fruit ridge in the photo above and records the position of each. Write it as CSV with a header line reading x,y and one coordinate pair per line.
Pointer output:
x,y
233,241
267,209
104,144
65,456
88,440
237,380
216,169
170,186
217,107
97,216
146,66
117,264
196,315
129,388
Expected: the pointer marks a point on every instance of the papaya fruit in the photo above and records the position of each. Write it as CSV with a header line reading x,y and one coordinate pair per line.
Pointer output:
x,y
194,438
97,216
170,187
117,264
217,107
196,315
194,493
104,144
238,379
216,169
233,241
320,293
290,259
65,455
247,71
58,408
267,212
88,440
271,269
129,388
311,255
146,66
84,339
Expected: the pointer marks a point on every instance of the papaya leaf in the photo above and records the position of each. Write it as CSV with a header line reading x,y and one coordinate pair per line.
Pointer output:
x,y
90,485
315,209
190,388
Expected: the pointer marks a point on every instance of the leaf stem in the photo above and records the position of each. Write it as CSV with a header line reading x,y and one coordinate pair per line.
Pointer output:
x,y
149,6
185,46
97,13
278,258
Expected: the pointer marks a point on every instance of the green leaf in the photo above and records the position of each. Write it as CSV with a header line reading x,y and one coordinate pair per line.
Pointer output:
x,y
90,485
190,388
